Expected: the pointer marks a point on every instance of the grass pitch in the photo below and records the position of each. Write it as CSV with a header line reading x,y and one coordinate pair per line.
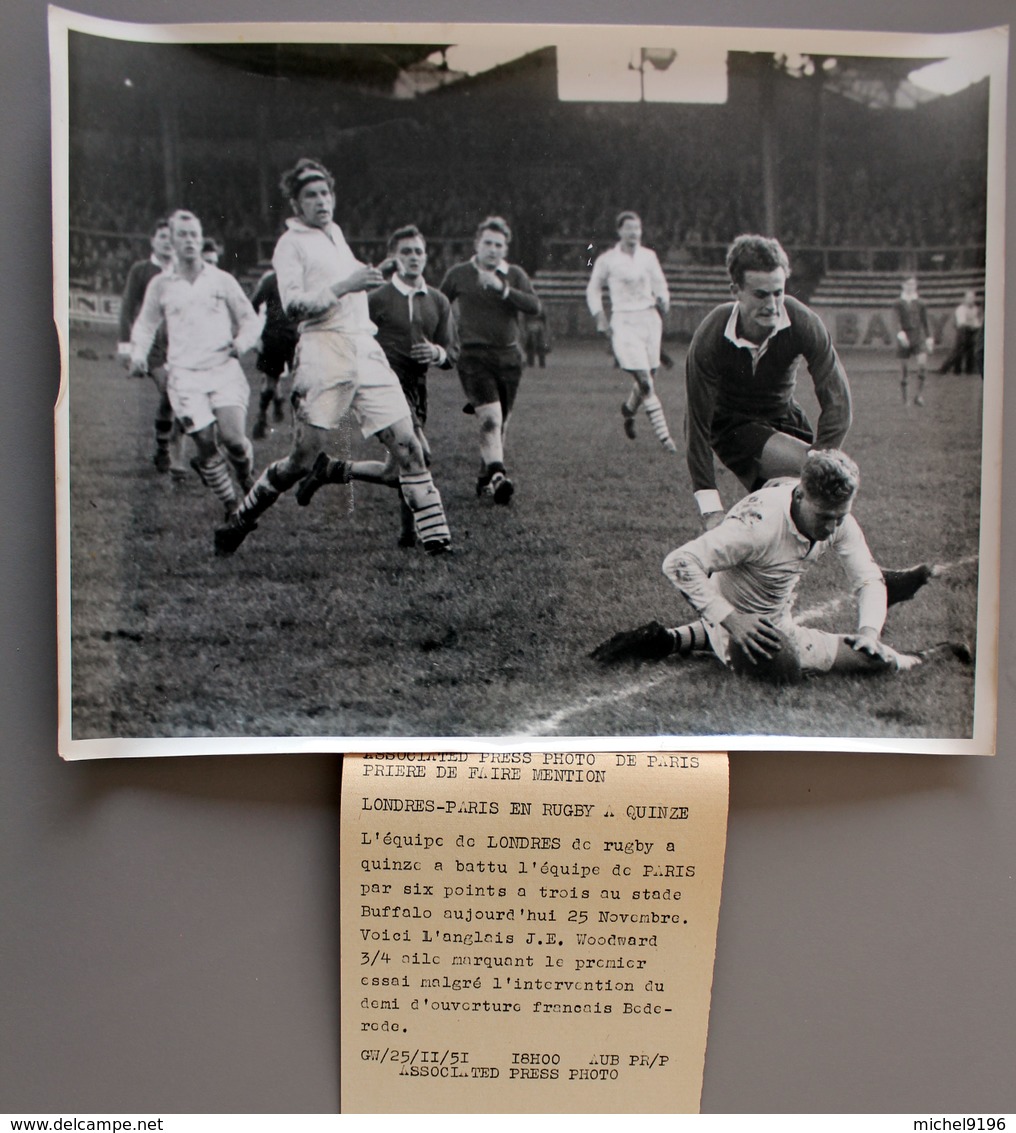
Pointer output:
x,y
321,626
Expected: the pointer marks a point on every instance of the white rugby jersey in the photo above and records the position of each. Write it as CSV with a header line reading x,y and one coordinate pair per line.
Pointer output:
x,y
207,321
307,261
635,282
754,559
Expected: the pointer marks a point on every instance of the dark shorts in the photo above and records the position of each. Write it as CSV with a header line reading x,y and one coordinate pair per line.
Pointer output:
x,y
740,445
160,348
276,355
491,376
415,388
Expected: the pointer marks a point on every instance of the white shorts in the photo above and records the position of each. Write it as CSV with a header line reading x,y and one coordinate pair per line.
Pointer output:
x,y
635,337
816,648
338,372
196,394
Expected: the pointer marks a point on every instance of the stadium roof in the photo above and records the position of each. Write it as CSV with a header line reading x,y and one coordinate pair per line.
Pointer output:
x,y
374,67
874,81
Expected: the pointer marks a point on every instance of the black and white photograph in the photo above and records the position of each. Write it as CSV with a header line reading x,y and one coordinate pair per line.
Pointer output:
x,y
453,387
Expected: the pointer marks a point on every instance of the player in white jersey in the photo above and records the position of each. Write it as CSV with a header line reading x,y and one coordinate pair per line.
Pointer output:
x,y
340,368
638,296
741,575
209,322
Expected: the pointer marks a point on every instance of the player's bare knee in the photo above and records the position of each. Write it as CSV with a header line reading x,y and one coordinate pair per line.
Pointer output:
x,y
404,445
235,447
204,442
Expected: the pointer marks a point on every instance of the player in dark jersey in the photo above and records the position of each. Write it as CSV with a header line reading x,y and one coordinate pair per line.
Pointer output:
x,y
275,353
741,375
913,337
414,329
489,295
168,456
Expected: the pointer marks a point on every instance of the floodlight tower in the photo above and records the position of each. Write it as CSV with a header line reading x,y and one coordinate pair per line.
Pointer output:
x,y
659,58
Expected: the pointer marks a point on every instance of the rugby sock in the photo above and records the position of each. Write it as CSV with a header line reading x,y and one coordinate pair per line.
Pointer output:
x,y
165,423
423,498
214,474
634,400
654,411
163,433
690,638
267,489
407,537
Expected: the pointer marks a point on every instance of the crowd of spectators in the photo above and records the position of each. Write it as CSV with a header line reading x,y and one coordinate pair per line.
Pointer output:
x,y
559,172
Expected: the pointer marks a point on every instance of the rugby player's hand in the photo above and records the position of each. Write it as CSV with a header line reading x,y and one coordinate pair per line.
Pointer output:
x,y
929,345
602,323
712,519
867,641
138,368
425,352
901,338
365,278
755,634
662,305
490,280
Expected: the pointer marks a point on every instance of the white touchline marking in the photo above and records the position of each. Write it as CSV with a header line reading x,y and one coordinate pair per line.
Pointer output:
x,y
549,724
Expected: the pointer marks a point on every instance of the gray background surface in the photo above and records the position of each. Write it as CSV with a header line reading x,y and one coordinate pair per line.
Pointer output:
x,y
170,926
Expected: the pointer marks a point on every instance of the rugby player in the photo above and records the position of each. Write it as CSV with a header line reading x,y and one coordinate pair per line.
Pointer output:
x,y
740,577
414,329
211,251
210,322
276,351
489,295
340,366
168,455
638,296
741,374
913,338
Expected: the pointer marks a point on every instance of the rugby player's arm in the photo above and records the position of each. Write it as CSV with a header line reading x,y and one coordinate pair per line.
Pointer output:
x,y
519,292
444,333
863,577
146,325
260,295
901,334
296,302
449,287
692,566
247,322
701,380
661,292
830,379
133,296
594,293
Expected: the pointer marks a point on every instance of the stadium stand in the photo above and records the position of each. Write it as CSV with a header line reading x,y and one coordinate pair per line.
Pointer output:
x,y
900,189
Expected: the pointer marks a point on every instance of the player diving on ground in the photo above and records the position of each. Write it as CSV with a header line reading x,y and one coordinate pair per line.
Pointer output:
x,y
740,577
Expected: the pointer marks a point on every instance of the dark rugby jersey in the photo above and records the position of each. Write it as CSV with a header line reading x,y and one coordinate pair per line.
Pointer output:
x,y
486,319
725,390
